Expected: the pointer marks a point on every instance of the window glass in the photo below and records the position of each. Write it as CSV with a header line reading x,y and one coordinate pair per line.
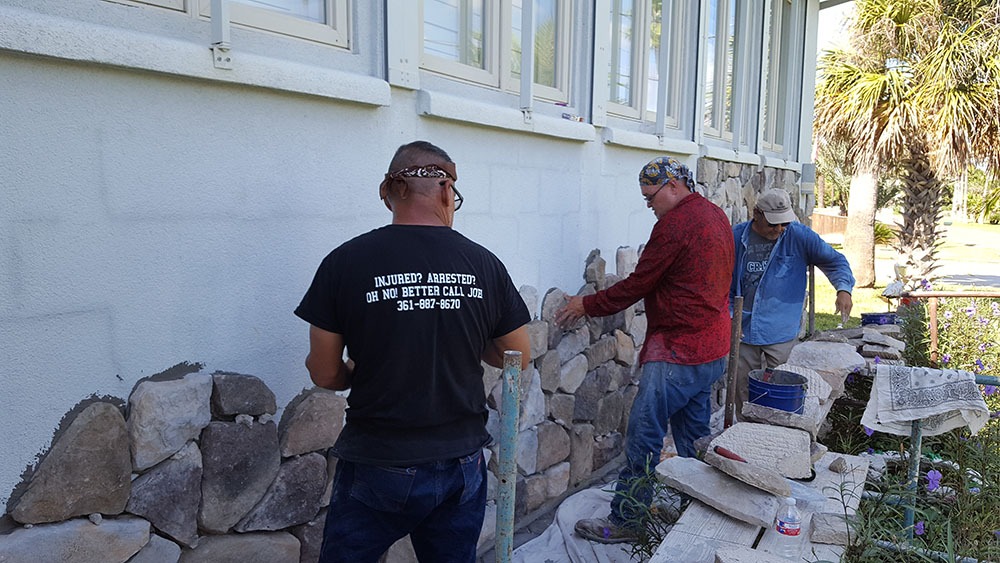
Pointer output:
x,y
622,37
453,30
730,59
653,77
710,62
546,42
310,10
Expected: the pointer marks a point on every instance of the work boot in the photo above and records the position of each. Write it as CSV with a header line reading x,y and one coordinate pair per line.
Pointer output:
x,y
602,530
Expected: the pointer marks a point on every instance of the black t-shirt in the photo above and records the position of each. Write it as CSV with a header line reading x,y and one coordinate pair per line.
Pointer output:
x,y
416,306
754,263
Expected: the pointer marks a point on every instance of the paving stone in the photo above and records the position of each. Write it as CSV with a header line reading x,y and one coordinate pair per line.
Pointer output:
x,y
816,386
581,455
557,479
829,336
550,370
238,465
626,259
310,536
572,374
593,388
87,470
829,528
595,269
832,360
810,419
76,541
165,415
609,413
292,498
718,490
637,329
553,445
560,408
871,336
234,394
891,330
257,547
538,336
526,451
314,423
573,343
785,450
158,550
759,477
603,350
536,486
626,352
169,495
530,297
742,554
607,448
883,352
553,301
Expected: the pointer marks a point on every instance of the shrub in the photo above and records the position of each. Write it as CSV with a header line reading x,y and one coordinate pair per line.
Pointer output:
x,y
968,334
884,234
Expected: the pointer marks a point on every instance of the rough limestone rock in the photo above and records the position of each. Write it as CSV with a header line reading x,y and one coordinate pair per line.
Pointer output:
x,y
809,420
310,536
838,465
637,328
553,301
165,415
532,402
401,552
628,397
530,297
573,343
785,450
609,413
238,465
883,352
601,351
87,470
626,259
593,388
526,451
537,487
538,336
741,554
572,374
607,448
553,445
550,370
595,269
831,360
718,490
557,479
76,541
234,394
817,451
158,550
829,528
759,477
314,424
491,376
560,408
625,353
488,532
258,547
292,499
169,495
889,330
331,472
581,454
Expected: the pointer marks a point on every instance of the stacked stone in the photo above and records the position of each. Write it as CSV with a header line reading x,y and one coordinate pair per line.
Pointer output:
x,y
876,343
734,186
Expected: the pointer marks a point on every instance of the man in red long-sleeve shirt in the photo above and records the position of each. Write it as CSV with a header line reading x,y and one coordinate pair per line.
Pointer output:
x,y
684,275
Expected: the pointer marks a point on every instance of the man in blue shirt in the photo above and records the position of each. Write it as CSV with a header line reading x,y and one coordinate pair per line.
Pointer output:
x,y
773,251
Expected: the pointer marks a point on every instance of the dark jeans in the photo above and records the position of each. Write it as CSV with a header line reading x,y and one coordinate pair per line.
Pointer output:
x,y
440,505
672,394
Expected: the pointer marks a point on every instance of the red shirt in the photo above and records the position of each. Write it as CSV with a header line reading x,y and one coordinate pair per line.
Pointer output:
x,y
684,275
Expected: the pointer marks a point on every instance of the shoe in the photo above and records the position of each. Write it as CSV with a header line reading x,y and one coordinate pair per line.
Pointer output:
x,y
602,530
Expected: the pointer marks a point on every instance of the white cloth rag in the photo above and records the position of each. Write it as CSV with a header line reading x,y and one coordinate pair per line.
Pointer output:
x,y
943,398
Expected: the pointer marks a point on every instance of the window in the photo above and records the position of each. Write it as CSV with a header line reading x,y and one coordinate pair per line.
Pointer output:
x,y
781,59
720,47
323,21
635,51
464,39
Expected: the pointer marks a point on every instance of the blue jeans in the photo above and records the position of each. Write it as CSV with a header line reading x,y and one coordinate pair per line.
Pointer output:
x,y
440,505
668,393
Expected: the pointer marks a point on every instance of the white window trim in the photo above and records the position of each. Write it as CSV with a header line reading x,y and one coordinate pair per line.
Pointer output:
x,y
335,32
640,21
715,128
178,5
488,76
564,18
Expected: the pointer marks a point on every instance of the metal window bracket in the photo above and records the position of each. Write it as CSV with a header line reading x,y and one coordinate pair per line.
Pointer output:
x,y
527,114
222,58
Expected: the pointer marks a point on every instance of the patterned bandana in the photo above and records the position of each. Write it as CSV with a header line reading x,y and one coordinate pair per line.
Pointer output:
x,y
664,169
437,170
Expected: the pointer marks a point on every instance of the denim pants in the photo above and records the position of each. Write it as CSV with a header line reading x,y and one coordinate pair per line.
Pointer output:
x,y
439,504
673,394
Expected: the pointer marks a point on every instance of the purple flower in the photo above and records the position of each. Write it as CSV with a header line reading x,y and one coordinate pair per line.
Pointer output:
x,y
933,479
868,431
982,347
979,366
970,311
850,378
997,532
974,490
870,450
925,284
918,528
947,314
990,389
877,360
945,358
606,532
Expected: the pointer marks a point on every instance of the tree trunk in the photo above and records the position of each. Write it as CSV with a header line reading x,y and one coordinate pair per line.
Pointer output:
x,y
859,240
820,191
919,235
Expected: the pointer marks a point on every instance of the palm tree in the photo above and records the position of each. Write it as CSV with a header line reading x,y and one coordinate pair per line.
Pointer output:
x,y
919,89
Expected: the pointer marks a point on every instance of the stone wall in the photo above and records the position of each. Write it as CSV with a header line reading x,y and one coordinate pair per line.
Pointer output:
x,y
734,186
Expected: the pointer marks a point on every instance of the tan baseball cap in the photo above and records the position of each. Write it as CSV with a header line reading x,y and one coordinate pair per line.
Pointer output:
x,y
776,206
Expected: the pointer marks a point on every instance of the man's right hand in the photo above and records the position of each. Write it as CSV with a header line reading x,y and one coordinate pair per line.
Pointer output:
x,y
571,312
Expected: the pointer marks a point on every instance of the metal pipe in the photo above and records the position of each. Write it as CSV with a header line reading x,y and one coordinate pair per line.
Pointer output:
x,y
735,335
987,380
507,467
913,475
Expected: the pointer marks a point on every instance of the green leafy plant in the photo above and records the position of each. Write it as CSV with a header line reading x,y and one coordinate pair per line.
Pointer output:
x,y
647,520
884,234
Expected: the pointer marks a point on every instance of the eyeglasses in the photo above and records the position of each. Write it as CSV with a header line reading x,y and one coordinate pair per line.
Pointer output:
x,y
649,198
458,198
773,225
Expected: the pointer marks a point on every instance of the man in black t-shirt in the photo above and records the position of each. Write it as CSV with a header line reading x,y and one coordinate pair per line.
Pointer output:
x,y
417,306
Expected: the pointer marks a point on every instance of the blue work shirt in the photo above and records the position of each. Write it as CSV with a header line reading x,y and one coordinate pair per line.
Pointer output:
x,y
777,306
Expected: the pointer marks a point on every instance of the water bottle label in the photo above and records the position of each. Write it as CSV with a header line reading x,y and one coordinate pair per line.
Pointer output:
x,y
788,528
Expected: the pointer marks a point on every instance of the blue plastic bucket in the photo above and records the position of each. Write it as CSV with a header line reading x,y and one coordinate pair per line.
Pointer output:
x,y
778,389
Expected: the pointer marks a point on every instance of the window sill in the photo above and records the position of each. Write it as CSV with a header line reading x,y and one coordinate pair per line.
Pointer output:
x,y
775,162
50,36
445,106
731,155
648,141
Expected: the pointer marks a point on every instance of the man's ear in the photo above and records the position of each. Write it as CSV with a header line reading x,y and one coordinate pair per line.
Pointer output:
x,y
444,196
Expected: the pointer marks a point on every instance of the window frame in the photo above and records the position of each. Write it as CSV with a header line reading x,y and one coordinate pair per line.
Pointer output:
x,y
335,33
714,126
782,54
564,19
179,5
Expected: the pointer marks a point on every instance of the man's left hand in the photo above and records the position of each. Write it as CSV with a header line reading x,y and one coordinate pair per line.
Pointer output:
x,y
844,304
571,312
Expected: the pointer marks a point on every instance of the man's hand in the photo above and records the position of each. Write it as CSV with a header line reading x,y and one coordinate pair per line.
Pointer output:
x,y
571,312
844,304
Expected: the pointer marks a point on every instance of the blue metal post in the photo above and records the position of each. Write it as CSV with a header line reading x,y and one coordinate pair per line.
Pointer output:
x,y
916,436
507,466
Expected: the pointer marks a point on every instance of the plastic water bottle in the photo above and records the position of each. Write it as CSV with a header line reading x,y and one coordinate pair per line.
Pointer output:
x,y
789,524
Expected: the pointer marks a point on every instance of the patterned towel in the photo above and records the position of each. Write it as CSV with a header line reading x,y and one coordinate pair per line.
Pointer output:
x,y
943,398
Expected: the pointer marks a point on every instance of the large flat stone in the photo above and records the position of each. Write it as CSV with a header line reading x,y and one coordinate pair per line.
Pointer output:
x,y
810,419
526,451
785,450
234,394
601,351
572,374
559,407
238,465
595,269
76,541
310,536
607,448
165,415
158,550
581,455
626,259
87,470
258,547
829,528
816,386
538,337
743,554
169,495
573,343
553,300
832,360
530,297
553,445
626,352
718,490
292,499
591,390
759,477
314,424
557,479
532,402
549,369
637,329
609,413
536,487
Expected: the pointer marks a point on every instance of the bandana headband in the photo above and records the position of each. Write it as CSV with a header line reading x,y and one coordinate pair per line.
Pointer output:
x,y
436,170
